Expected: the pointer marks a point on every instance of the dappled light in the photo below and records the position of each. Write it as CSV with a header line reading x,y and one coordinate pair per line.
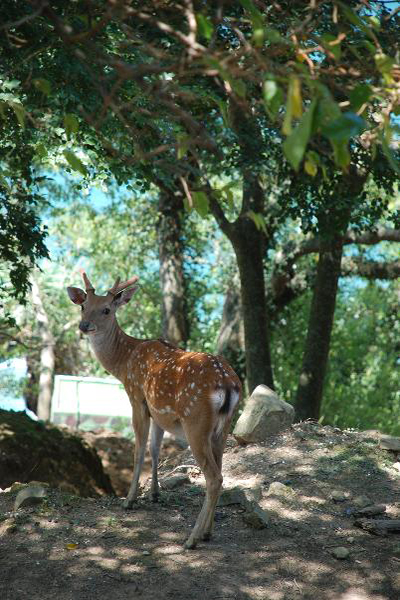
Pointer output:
x,y
98,548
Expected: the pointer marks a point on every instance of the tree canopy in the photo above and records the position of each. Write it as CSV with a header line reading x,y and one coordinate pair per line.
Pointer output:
x,y
278,120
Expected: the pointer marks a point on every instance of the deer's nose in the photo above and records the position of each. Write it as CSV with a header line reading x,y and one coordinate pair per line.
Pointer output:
x,y
84,326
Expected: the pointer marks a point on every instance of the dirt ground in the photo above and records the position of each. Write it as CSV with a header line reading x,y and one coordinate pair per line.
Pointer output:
x,y
73,548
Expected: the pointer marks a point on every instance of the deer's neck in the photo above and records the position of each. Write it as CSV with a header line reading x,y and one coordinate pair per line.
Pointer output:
x,y
110,349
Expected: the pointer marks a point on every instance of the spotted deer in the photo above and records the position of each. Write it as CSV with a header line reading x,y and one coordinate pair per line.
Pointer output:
x,y
189,394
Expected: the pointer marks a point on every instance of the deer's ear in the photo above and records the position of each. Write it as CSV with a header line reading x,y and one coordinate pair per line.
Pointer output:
x,y
77,295
124,296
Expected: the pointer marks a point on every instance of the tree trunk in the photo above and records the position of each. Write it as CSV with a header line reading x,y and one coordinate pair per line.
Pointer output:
x,y
47,356
315,358
249,249
174,314
230,342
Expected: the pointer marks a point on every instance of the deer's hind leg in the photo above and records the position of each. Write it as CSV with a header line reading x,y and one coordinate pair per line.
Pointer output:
x,y
204,455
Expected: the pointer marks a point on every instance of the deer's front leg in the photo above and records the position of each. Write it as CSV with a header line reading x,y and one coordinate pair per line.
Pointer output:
x,y
156,436
141,424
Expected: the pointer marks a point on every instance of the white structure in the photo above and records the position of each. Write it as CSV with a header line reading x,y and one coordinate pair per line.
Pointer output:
x,y
91,403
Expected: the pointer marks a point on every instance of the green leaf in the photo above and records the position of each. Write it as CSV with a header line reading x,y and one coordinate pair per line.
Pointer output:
x,y
390,155
19,112
341,153
330,42
43,85
384,63
75,163
294,104
273,97
41,150
239,87
223,107
200,203
71,124
273,36
360,95
311,163
255,15
295,144
345,127
183,145
355,19
204,26
258,220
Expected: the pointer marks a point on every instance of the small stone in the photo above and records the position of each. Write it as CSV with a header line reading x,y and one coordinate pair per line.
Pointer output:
x,y
362,501
240,495
351,540
146,553
280,489
396,466
390,442
231,496
340,553
175,481
338,496
30,496
256,517
17,486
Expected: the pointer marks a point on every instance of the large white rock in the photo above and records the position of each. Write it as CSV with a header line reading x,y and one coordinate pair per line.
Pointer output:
x,y
264,414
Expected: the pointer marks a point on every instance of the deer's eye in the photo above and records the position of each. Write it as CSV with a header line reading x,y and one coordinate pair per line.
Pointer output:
x,y
82,307
106,311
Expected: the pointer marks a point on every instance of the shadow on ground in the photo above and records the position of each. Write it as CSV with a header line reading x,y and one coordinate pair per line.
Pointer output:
x,y
74,548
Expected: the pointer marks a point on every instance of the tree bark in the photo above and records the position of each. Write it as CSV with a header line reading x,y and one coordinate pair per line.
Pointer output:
x,y
248,248
174,314
249,244
315,358
230,342
47,356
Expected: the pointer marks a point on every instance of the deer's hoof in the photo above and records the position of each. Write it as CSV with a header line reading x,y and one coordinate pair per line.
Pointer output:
x,y
190,544
128,504
155,497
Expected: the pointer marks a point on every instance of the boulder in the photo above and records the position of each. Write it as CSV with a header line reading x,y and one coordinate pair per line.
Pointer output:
x,y
264,414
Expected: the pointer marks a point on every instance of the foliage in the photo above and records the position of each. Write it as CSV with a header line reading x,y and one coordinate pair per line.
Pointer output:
x,y
361,387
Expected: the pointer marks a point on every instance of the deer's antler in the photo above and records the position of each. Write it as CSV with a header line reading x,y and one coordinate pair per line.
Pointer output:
x,y
88,286
118,287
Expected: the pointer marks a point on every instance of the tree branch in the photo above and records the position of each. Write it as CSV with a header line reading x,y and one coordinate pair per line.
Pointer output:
x,y
352,266
370,238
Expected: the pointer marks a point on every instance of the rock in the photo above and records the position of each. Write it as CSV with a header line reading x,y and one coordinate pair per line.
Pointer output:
x,y
264,414
175,481
389,442
280,489
362,501
17,486
256,517
396,466
31,495
370,511
340,552
240,495
338,496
